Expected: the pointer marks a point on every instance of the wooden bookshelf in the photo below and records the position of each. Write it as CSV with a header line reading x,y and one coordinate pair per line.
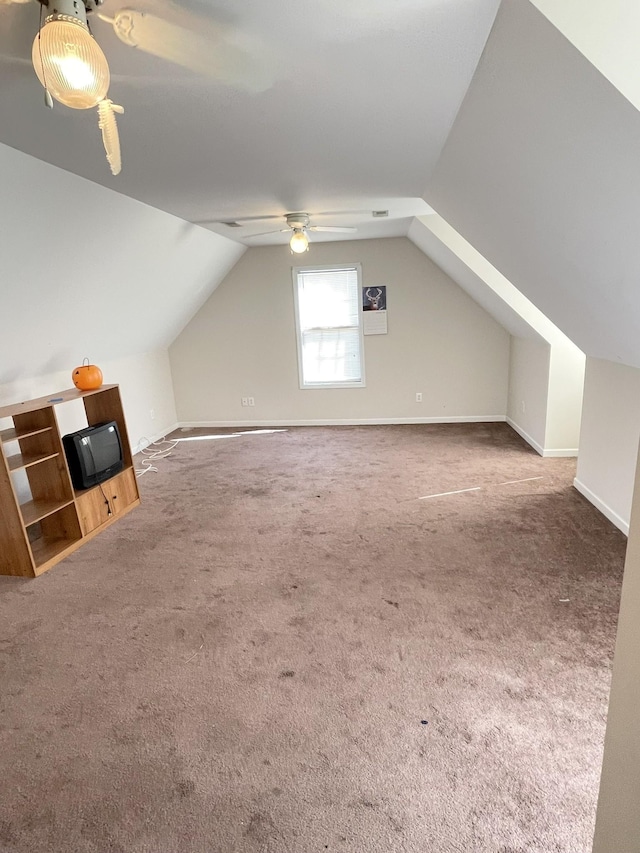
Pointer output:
x,y
36,534
19,460
14,434
34,511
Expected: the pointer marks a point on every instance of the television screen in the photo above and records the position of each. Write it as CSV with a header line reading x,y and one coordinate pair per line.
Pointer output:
x,y
94,454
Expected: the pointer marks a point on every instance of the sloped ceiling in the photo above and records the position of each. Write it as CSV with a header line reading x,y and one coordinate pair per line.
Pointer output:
x,y
310,107
427,240
349,107
540,174
481,281
606,32
334,105
88,272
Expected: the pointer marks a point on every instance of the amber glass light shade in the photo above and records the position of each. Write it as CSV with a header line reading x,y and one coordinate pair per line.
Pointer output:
x,y
70,63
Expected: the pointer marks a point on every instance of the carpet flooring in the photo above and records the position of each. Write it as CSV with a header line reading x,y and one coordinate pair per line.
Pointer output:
x,y
291,647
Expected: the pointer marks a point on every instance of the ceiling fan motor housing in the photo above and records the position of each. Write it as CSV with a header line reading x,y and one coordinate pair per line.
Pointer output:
x,y
298,221
71,8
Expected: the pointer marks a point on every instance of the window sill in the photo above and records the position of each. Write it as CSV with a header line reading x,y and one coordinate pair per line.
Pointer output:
x,y
321,385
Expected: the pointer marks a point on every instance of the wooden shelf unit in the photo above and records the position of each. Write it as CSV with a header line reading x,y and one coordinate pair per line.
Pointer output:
x,y
38,533
14,463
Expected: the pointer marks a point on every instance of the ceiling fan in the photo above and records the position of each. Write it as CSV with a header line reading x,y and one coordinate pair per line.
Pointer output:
x,y
74,71
297,223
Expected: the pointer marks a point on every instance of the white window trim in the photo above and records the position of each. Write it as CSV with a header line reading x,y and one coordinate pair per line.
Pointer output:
x,y
314,386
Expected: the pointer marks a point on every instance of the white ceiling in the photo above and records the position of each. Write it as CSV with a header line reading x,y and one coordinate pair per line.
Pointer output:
x,y
607,36
540,174
334,105
484,284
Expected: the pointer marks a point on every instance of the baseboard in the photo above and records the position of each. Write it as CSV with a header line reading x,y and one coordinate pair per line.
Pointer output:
x,y
523,434
613,517
463,419
543,451
561,451
145,440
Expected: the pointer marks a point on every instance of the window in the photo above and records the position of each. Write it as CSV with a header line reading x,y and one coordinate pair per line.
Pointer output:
x,y
328,325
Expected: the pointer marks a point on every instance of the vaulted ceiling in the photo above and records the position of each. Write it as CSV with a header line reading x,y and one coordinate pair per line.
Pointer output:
x,y
540,174
87,272
324,106
525,144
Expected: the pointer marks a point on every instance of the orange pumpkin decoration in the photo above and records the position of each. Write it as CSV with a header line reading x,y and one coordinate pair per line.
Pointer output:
x,y
88,377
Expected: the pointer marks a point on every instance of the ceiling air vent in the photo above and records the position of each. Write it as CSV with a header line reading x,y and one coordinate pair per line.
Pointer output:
x,y
233,224
378,214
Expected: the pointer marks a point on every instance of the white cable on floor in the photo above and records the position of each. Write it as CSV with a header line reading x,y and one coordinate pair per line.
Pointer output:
x,y
151,455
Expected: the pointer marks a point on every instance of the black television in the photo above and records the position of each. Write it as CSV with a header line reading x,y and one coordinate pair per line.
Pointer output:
x,y
94,454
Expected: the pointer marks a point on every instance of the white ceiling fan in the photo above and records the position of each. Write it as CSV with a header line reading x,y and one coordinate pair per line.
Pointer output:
x,y
297,223
74,71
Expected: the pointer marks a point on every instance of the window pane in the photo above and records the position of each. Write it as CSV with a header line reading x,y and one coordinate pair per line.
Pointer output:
x,y
328,299
331,355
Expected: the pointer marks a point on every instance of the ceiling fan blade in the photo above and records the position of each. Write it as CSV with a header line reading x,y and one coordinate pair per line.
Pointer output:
x,y
264,233
110,138
340,212
230,219
337,229
201,46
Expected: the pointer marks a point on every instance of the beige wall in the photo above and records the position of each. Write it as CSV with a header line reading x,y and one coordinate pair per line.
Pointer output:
x,y
566,392
609,438
546,385
528,389
243,343
618,816
145,385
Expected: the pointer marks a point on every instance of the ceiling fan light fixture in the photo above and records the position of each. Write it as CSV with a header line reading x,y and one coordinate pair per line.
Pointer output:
x,y
299,242
69,62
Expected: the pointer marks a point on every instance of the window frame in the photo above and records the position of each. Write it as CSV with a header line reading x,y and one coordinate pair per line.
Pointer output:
x,y
310,386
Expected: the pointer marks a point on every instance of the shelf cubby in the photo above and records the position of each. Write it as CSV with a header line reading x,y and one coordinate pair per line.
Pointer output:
x,y
22,460
47,552
7,435
34,511
54,534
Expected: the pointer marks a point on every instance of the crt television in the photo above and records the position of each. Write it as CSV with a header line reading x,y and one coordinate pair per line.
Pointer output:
x,y
94,454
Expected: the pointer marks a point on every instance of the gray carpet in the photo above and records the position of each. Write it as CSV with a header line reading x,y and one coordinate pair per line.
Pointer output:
x,y
284,650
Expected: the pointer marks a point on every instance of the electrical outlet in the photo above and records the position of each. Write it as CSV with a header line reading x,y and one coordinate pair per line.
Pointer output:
x,y
418,396
245,401
251,401
523,408
152,414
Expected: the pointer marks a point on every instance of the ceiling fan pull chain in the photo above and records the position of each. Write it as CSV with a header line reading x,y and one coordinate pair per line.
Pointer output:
x,y
108,126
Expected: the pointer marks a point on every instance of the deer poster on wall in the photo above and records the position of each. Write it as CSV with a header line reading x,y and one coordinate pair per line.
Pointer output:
x,y
374,306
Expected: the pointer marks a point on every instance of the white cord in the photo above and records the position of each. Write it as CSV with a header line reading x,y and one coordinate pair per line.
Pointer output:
x,y
151,455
